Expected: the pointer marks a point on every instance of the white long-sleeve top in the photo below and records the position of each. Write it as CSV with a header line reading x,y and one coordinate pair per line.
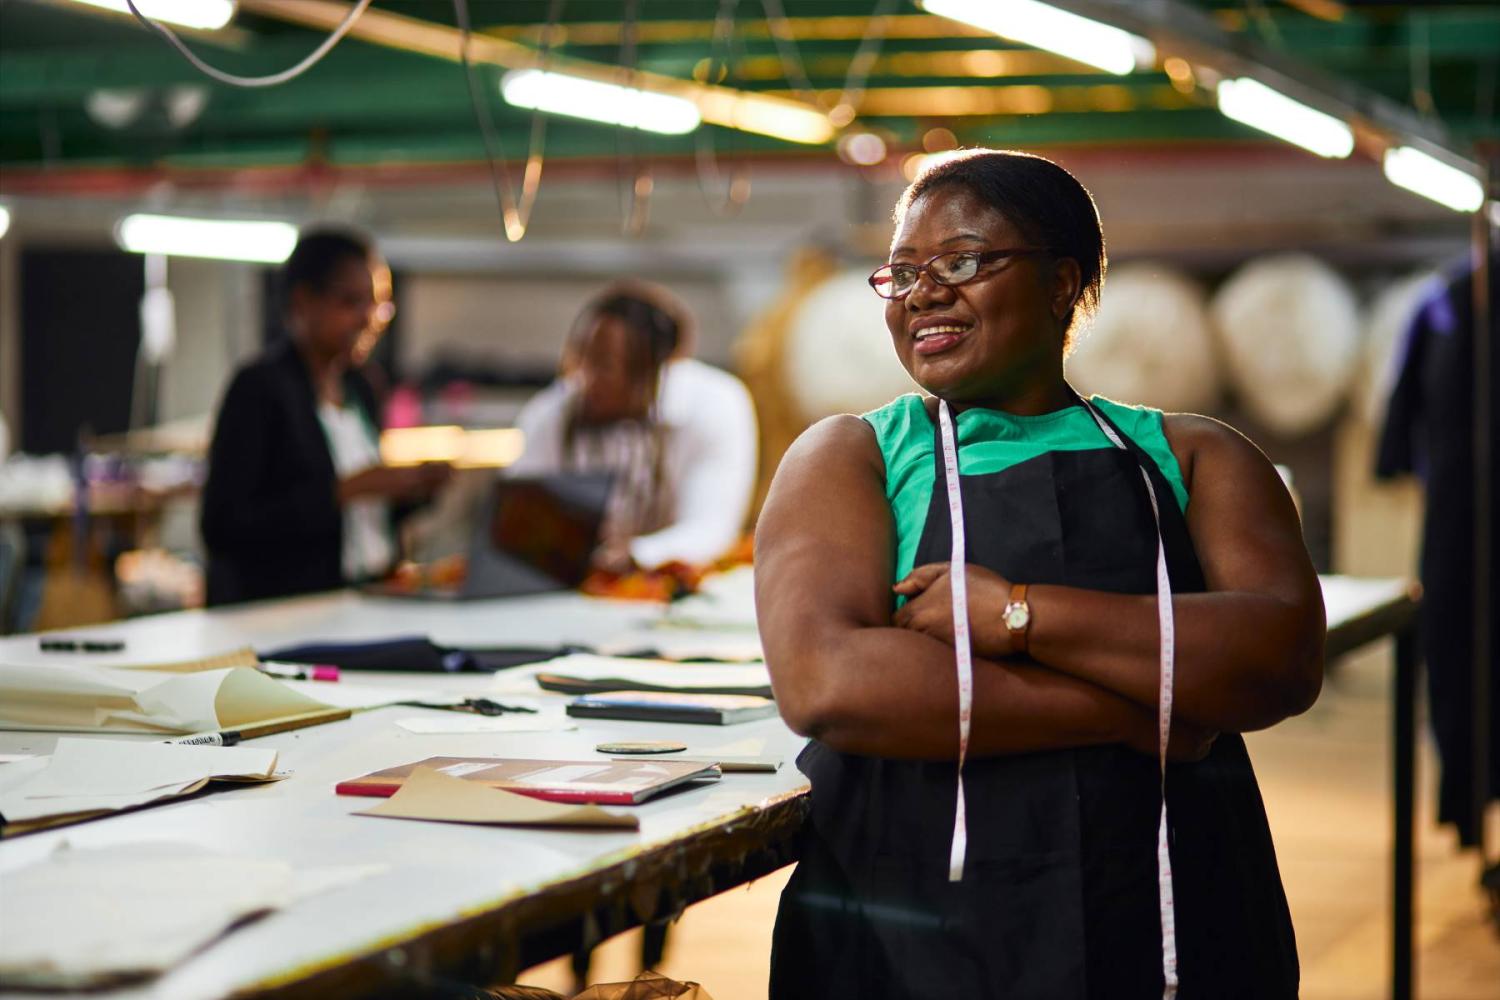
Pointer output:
x,y
710,457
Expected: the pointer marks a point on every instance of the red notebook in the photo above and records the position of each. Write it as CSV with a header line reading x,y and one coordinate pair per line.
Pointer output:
x,y
612,782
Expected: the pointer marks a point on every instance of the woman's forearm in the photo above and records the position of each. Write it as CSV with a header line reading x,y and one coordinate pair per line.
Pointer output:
x,y
889,692
1243,661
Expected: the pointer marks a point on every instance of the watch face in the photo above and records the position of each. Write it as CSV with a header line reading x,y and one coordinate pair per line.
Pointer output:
x,y
1016,617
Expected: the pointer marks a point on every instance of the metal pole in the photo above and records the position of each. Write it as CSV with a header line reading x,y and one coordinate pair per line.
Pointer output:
x,y
1403,890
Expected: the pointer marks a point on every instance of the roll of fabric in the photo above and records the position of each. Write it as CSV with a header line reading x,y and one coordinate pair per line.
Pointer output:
x,y
839,357
1289,331
1151,342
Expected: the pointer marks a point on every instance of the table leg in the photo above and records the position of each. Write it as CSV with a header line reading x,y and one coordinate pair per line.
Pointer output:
x,y
1403,968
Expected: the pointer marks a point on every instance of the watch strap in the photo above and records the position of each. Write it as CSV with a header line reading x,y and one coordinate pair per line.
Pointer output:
x,y
1019,636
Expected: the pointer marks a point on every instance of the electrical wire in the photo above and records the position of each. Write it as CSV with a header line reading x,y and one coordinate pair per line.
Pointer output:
x,y
515,214
275,79
860,64
706,159
627,140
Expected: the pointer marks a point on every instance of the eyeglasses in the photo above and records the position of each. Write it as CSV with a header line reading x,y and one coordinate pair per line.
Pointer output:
x,y
895,281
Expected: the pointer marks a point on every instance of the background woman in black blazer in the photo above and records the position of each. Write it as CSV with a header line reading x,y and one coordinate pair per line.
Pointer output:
x,y
296,498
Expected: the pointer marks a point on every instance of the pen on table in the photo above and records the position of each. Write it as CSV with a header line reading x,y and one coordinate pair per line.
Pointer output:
x,y
225,738
300,672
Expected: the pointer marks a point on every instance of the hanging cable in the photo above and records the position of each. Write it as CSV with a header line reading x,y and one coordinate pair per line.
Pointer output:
x,y
286,75
627,140
720,57
515,214
863,61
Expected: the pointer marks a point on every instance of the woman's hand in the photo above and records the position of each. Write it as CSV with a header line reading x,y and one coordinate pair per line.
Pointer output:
x,y
395,482
929,607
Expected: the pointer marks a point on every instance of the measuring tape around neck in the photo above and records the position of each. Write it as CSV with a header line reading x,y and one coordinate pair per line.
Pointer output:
x,y
963,658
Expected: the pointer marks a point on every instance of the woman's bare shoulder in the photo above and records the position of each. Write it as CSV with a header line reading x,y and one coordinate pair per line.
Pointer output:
x,y
1196,439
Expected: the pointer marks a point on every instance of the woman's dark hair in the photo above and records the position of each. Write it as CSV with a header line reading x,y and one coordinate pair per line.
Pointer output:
x,y
319,254
1046,203
649,312
658,324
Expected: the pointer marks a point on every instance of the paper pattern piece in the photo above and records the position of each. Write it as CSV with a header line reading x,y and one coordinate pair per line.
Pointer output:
x,y
90,918
430,795
80,698
712,646
85,777
748,678
465,722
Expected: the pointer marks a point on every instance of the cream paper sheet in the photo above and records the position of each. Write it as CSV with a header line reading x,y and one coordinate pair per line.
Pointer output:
x,y
88,776
79,698
84,918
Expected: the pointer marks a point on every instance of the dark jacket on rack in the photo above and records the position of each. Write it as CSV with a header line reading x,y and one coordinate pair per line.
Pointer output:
x,y
1429,431
271,522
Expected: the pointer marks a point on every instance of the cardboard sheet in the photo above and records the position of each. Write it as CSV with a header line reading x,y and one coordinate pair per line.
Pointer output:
x,y
430,795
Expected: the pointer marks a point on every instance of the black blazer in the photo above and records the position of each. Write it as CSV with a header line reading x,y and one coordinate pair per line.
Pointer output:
x,y
270,516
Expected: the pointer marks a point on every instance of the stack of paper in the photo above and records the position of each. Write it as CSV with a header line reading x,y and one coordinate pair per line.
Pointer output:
x,y
76,697
92,918
586,673
85,778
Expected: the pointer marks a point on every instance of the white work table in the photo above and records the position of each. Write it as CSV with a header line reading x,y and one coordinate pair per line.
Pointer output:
x,y
465,901
472,902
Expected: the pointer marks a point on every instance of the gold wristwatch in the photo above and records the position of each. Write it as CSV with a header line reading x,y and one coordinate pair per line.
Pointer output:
x,y
1017,617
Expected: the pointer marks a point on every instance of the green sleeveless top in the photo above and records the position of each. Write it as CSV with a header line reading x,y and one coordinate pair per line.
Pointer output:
x,y
991,441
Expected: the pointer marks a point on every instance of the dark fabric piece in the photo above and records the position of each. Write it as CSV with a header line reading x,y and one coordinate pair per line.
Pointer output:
x,y
270,518
413,653
1059,896
1429,430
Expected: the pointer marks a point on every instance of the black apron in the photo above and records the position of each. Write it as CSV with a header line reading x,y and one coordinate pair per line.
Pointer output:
x,y
1059,895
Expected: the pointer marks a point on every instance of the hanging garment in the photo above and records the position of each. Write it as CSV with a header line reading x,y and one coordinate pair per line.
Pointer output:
x,y
1059,899
1429,430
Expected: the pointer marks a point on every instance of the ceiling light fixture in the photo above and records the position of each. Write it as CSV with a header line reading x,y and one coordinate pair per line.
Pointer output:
x,y
561,94
208,15
1044,26
1252,103
219,239
1432,178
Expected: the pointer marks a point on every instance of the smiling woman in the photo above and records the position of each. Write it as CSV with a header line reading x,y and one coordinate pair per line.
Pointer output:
x,y
1101,626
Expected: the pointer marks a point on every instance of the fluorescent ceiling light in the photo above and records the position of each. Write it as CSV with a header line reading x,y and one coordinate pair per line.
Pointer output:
x,y
561,94
205,14
1253,103
1044,26
221,239
4,220
1432,178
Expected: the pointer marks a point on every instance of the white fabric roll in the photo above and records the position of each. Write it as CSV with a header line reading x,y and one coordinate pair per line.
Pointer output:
x,y
1289,330
1150,343
1392,311
839,357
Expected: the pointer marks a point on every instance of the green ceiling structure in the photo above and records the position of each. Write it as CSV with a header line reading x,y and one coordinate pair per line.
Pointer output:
x,y
372,104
